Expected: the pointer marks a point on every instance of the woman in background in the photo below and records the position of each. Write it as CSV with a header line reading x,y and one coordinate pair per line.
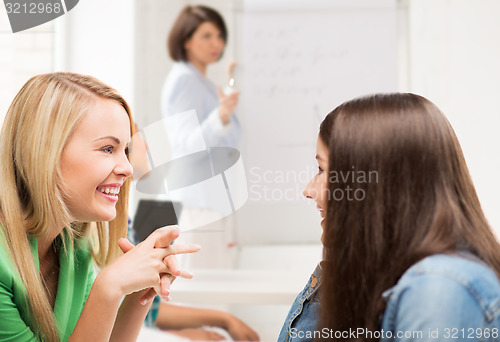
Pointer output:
x,y
65,175
200,116
197,39
409,256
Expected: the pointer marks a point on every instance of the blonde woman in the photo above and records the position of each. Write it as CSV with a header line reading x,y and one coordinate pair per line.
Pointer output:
x,y
65,173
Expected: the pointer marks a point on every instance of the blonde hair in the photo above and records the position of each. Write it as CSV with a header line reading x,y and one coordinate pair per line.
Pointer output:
x,y
37,126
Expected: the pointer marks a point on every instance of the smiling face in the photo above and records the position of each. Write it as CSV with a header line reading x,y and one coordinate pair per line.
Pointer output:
x,y
317,188
94,163
205,45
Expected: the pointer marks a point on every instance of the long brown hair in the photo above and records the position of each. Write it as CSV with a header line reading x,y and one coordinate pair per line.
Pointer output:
x,y
411,197
39,122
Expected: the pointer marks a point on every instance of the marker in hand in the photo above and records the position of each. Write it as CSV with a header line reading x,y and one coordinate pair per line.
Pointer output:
x,y
228,99
230,77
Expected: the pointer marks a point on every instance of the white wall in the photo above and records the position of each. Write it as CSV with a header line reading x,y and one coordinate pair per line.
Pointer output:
x,y
97,38
22,55
454,62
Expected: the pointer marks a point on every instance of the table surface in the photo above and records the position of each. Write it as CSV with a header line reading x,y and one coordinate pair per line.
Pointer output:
x,y
240,287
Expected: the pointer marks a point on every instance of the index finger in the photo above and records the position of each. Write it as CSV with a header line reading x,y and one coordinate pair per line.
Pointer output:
x,y
182,249
177,249
162,237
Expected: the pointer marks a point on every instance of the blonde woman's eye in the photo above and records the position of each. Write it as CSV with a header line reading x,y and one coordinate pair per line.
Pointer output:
x,y
320,170
108,149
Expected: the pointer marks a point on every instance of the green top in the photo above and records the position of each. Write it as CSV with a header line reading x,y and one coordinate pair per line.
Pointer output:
x,y
75,280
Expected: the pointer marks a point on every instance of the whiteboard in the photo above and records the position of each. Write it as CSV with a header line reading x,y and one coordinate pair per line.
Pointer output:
x,y
297,61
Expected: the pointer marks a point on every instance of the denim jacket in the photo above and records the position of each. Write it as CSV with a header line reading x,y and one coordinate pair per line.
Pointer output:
x,y
444,298
303,315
